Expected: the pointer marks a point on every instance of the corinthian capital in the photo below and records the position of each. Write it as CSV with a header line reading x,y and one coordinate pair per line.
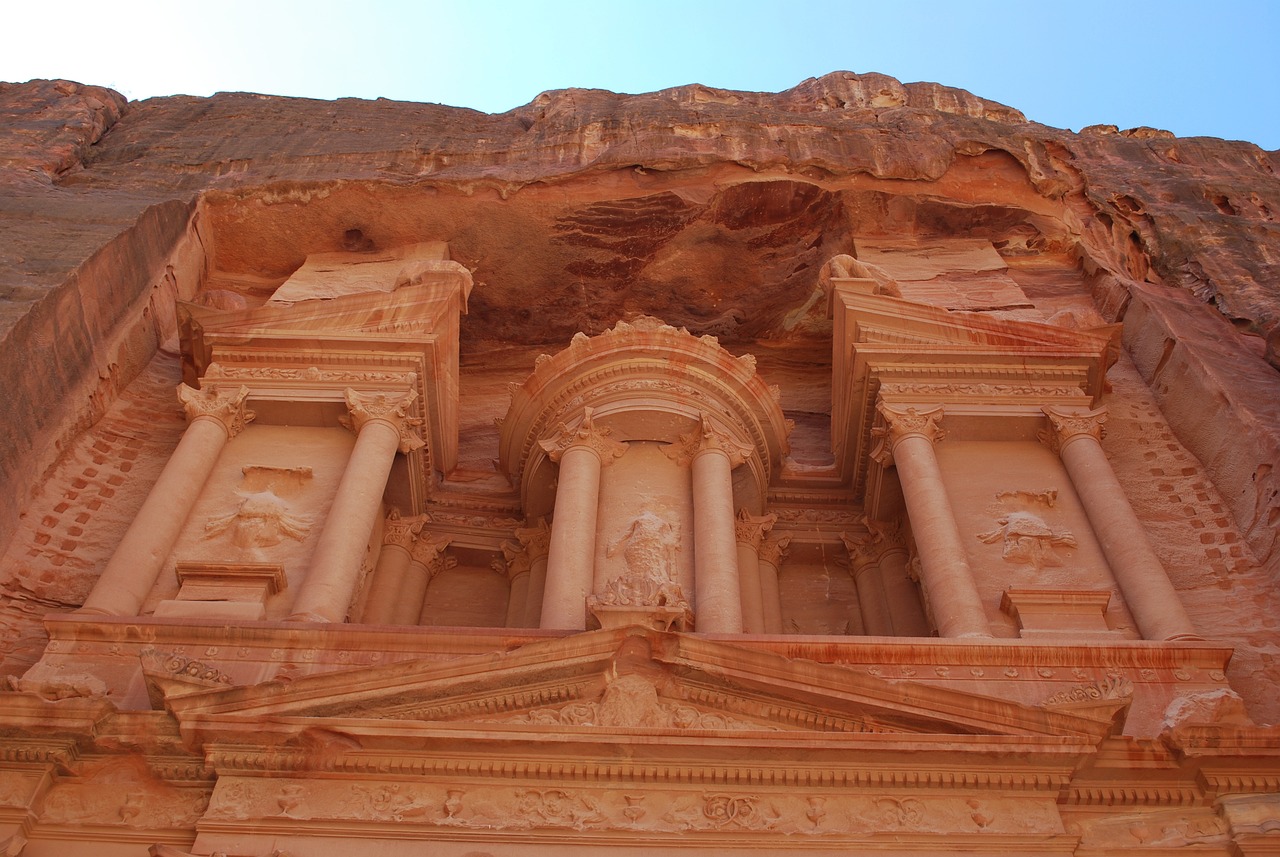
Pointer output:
x,y
773,550
588,435
427,550
389,408
215,403
400,531
750,529
1066,426
711,437
536,540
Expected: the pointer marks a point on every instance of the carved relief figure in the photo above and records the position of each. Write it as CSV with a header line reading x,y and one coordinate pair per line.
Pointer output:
x,y
1028,539
649,548
264,517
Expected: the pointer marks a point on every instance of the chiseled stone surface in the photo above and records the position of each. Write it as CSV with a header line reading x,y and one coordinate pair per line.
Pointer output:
x,y
686,261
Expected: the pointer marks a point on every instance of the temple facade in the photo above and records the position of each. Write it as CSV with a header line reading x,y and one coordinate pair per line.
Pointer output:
x,y
890,578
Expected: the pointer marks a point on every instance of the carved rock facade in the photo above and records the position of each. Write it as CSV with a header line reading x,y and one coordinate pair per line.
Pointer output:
x,y
803,535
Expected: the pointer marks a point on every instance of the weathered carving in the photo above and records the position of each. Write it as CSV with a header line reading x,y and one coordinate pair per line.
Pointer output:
x,y
649,548
902,423
710,437
724,812
264,517
557,808
1113,686
389,408
1028,539
180,666
215,403
1045,498
773,550
536,539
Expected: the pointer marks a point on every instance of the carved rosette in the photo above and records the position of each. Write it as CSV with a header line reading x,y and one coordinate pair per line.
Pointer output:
x,y
1066,426
536,539
710,437
400,531
750,530
774,550
389,408
588,435
214,403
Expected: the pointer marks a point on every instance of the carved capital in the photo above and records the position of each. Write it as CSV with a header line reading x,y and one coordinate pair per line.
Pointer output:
x,y
1066,426
517,559
400,531
864,552
587,435
710,437
902,423
426,550
389,408
215,403
750,529
536,539
773,550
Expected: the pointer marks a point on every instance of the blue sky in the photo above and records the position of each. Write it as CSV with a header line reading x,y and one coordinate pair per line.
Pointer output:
x,y
1194,68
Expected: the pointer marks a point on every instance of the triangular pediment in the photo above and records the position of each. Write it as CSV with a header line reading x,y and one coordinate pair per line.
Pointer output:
x,y
617,680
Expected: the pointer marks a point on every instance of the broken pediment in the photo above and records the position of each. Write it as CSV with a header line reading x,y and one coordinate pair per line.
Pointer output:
x,y
601,682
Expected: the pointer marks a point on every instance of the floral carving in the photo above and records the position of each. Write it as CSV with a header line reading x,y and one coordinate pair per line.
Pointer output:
x,y
1111,687
750,529
724,812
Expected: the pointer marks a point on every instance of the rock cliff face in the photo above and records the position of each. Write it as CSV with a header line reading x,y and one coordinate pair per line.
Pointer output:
x,y
712,209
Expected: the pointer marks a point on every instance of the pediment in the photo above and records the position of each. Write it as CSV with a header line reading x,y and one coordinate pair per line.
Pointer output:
x,y
619,681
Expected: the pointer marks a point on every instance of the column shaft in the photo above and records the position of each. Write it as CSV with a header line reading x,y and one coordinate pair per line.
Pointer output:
x,y
387,588
517,600
749,583
571,561
900,592
718,592
537,592
771,554
1150,595
872,603
335,565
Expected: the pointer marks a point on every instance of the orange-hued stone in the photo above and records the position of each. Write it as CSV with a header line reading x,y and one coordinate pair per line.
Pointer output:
x,y
853,469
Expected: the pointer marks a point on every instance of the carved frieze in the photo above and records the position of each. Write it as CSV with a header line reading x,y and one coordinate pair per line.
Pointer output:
x,y
401,531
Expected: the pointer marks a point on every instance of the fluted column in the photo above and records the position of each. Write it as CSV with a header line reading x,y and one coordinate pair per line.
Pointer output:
x,y
713,453
864,567
582,453
1076,436
518,566
908,439
388,583
215,416
426,560
749,531
537,544
383,427
771,554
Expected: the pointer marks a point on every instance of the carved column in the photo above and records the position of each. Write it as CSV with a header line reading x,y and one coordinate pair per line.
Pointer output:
x,y
215,416
749,531
905,610
714,453
518,567
383,427
864,567
582,453
537,544
1076,437
909,437
427,559
773,551
393,565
